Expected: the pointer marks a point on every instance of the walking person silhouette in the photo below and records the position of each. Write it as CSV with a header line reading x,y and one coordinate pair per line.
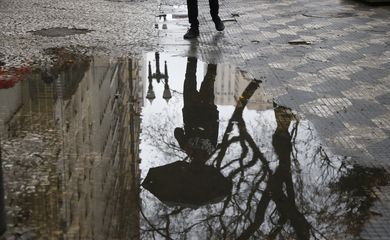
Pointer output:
x,y
200,115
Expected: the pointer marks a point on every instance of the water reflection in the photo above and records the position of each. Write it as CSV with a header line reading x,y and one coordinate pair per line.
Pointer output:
x,y
200,115
193,184
72,141
285,184
3,223
158,76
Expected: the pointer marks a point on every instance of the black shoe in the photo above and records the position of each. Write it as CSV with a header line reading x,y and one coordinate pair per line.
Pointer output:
x,y
191,33
219,25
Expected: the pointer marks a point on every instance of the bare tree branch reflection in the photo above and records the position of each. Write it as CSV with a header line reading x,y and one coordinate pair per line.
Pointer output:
x,y
288,192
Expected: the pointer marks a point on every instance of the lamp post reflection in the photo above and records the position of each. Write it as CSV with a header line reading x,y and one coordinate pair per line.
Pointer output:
x,y
158,76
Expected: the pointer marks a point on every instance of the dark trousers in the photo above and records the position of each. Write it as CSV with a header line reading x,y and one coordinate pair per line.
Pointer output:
x,y
199,110
205,95
192,7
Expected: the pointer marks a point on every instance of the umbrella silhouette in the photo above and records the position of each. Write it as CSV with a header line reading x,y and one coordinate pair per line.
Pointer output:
x,y
182,184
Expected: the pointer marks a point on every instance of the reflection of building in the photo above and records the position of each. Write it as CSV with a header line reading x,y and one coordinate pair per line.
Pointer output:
x,y
90,109
31,150
101,153
229,85
10,100
3,223
26,106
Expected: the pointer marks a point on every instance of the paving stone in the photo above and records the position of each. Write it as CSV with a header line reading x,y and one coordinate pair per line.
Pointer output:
x,y
340,82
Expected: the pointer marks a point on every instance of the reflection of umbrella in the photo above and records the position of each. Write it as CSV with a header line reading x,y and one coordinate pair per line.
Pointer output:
x,y
180,184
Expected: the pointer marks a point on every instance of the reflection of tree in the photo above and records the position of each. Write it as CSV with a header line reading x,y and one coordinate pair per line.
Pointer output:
x,y
161,139
274,197
357,183
277,180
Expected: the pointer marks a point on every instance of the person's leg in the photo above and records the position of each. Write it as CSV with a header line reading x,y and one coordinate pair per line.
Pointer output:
x,y
192,8
190,94
206,91
210,114
214,12
214,9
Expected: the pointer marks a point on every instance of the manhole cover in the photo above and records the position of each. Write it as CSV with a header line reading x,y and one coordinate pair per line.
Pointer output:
x,y
60,32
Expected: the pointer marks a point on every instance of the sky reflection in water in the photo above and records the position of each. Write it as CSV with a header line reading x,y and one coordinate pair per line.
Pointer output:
x,y
284,182
87,130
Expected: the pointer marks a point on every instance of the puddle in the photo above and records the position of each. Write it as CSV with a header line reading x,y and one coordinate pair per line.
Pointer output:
x,y
171,21
176,20
60,32
333,14
83,143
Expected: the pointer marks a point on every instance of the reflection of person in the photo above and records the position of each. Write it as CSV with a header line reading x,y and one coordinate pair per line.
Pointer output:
x,y
200,115
281,139
192,7
281,183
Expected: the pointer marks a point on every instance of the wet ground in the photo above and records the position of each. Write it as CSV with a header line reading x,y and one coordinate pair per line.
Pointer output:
x,y
276,128
81,141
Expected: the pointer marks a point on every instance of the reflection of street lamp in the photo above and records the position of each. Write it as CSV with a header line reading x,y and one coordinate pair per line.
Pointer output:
x,y
167,92
158,76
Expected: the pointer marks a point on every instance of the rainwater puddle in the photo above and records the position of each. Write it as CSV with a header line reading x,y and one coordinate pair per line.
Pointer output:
x,y
60,32
175,21
168,147
332,14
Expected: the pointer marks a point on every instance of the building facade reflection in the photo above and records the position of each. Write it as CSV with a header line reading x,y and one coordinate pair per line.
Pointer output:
x,y
83,115
230,83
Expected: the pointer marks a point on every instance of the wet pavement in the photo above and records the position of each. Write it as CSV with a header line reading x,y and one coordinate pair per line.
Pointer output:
x,y
286,184
337,76
112,126
114,28
80,136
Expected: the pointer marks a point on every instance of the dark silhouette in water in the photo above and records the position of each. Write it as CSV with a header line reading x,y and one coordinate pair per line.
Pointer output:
x,y
193,184
200,115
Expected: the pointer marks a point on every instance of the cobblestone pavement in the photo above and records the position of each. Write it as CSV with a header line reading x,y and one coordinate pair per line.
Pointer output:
x,y
328,60
117,28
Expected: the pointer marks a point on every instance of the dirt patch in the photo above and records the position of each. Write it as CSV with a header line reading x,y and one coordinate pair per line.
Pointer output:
x,y
60,32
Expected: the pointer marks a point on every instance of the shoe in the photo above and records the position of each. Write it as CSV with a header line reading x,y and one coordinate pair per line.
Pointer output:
x,y
191,33
219,25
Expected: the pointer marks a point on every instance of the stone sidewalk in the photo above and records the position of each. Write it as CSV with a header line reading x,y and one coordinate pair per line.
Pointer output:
x,y
328,60
117,28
